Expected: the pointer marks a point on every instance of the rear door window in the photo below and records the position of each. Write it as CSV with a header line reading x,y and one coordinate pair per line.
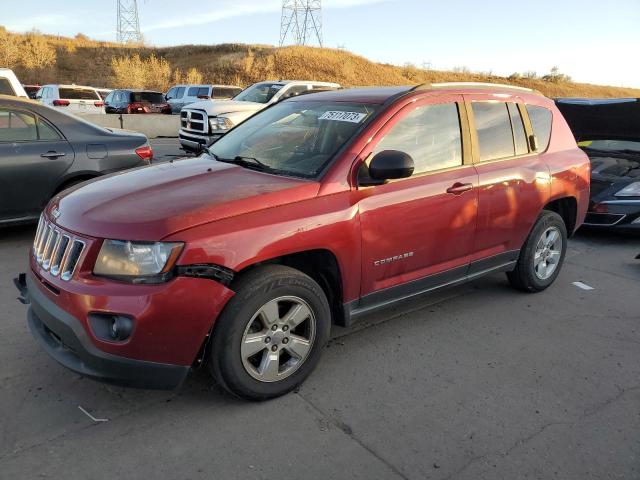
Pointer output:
x,y
225,92
541,123
519,136
430,134
493,125
17,126
78,94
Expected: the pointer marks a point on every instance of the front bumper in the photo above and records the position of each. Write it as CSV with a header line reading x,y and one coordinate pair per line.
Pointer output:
x,y
64,338
196,142
623,215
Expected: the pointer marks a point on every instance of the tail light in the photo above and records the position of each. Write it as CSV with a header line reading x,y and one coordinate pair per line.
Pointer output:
x,y
99,104
145,153
61,103
136,108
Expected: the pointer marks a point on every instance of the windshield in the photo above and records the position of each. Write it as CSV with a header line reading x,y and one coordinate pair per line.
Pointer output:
x,y
151,97
259,93
294,138
611,145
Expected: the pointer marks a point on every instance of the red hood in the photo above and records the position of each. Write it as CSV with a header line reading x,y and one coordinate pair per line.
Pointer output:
x,y
151,203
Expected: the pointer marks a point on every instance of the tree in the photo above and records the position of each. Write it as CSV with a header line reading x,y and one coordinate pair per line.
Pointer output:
x,y
37,54
9,49
193,76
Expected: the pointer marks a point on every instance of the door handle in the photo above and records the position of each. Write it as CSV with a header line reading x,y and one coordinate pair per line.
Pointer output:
x,y
459,188
52,154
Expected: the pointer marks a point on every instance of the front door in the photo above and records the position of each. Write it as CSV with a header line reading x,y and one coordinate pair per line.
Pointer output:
x,y
33,159
418,232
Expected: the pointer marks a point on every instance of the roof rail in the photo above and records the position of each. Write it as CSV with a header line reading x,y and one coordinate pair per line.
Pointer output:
x,y
430,86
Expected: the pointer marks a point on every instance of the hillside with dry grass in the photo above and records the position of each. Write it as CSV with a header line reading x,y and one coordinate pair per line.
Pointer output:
x,y
38,58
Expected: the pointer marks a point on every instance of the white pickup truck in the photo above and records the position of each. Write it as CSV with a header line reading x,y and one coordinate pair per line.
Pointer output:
x,y
204,122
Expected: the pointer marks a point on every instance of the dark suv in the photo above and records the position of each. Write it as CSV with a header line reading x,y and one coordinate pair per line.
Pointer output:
x,y
136,101
315,211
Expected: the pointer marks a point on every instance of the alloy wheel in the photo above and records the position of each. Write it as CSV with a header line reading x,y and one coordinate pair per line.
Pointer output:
x,y
278,339
548,252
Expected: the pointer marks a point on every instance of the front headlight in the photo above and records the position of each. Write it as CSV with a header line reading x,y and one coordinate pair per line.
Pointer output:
x,y
137,262
220,123
631,190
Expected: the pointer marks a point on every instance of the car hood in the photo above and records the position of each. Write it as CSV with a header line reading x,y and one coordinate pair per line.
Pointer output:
x,y
606,119
216,107
153,202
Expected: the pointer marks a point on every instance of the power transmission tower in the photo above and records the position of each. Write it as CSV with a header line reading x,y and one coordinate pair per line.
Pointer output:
x,y
302,21
128,22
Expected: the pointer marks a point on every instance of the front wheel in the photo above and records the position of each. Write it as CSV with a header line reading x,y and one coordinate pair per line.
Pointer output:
x,y
542,256
271,334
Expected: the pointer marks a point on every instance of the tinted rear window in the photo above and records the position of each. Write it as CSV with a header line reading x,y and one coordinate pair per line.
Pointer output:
x,y
151,97
5,87
494,130
78,94
541,123
225,92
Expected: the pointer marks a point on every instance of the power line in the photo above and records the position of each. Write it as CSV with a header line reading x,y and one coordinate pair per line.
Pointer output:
x,y
301,21
128,22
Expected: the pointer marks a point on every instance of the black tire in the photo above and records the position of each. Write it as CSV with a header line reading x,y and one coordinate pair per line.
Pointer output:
x,y
524,276
253,291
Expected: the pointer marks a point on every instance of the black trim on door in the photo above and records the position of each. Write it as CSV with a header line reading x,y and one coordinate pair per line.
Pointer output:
x,y
502,262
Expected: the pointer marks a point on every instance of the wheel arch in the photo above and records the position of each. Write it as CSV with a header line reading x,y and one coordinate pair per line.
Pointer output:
x,y
321,265
567,208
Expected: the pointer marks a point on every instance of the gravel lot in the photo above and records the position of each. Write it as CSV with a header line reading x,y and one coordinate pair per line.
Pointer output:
x,y
479,382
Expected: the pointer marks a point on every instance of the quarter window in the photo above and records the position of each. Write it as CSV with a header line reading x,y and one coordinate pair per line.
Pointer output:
x,y
519,137
5,87
493,125
46,131
541,123
430,135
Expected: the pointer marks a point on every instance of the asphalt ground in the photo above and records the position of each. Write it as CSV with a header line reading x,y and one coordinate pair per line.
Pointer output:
x,y
476,382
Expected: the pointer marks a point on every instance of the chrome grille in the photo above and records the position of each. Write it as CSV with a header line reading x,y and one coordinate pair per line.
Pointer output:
x,y
55,250
194,121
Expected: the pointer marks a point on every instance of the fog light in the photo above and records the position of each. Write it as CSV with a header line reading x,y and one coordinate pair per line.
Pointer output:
x,y
111,328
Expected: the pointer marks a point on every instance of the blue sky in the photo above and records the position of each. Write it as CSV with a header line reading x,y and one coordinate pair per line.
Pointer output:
x,y
591,40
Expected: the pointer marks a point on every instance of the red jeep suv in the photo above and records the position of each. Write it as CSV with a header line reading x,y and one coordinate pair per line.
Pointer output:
x,y
315,211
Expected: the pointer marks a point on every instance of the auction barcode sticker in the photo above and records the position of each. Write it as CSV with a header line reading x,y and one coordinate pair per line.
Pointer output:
x,y
353,117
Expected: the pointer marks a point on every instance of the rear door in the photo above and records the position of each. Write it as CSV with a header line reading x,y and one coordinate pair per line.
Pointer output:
x,y
513,180
418,232
34,157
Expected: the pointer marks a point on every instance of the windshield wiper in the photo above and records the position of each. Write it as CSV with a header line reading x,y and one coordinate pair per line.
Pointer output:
x,y
248,162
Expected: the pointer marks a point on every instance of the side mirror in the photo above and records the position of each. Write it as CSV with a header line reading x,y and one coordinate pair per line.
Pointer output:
x,y
389,165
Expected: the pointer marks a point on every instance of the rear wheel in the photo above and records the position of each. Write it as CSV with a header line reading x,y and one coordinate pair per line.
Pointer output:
x,y
271,334
542,256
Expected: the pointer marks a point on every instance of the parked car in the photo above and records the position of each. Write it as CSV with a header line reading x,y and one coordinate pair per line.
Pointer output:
x,y
44,151
136,101
9,84
182,95
73,98
608,130
103,92
204,122
317,210
31,90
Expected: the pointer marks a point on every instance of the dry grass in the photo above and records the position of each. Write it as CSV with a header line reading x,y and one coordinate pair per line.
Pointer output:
x,y
86,61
